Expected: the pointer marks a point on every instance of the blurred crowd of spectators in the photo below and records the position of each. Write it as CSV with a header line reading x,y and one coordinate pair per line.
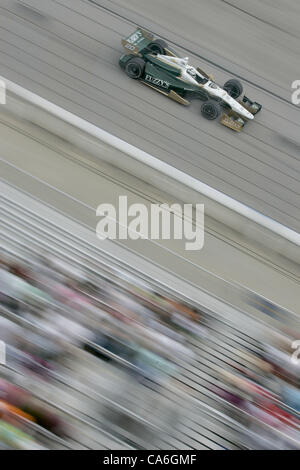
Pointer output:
x,y
50,308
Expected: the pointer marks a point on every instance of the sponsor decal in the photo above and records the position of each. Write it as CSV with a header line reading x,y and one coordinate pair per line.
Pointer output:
x,y
131,47
135,37
157,81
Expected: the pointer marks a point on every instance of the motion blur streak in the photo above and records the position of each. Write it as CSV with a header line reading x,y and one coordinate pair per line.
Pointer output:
x,y
92,337
72,61
137,345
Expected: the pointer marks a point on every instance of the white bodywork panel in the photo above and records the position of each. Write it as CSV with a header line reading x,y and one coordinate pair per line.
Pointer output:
x,y
188,72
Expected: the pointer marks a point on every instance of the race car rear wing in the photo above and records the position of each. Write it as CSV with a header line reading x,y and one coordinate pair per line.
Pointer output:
x,y
137,41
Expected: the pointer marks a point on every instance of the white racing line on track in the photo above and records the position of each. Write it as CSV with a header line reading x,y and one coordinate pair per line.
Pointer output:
x,y
156,164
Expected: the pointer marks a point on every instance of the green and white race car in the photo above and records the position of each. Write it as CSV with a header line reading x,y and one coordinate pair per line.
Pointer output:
x,y
153,63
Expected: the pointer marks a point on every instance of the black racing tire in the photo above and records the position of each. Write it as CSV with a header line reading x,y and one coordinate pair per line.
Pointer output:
x,y
210,110
135,67
234,88
158,46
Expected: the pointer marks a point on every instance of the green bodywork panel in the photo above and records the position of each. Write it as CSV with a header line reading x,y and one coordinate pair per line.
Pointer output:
x,y
157,73
170,76
175,72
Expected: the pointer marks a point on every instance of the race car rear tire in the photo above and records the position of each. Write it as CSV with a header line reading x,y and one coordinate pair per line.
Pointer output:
x,y
135,67
234,88
158,46
210,110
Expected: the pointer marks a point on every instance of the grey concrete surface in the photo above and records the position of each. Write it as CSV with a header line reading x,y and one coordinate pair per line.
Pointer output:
x,y
67,51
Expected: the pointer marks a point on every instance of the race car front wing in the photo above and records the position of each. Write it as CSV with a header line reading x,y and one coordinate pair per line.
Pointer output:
x,y
234,121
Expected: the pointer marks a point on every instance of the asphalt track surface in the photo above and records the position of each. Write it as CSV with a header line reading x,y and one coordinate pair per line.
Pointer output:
x,y
68,52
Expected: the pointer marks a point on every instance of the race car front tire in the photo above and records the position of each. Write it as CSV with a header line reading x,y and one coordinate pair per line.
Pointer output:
x,y
210,110
135,67
158,46
234,88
